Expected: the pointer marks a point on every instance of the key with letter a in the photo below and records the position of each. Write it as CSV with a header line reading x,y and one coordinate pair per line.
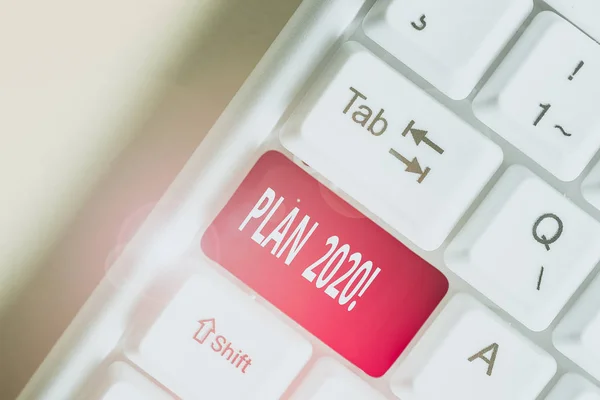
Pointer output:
x,y
469,353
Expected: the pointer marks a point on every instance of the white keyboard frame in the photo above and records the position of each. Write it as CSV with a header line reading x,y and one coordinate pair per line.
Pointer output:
x,y
248,127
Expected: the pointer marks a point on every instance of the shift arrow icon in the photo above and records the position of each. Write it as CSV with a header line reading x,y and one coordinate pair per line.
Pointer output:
x,y
420,136
207,326
412,166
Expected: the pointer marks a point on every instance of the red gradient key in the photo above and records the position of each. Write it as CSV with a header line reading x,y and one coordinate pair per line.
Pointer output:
x,y
324,264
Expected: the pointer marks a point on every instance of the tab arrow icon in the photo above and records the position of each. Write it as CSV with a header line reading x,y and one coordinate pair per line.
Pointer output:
x,y
419,136
207,326
412,166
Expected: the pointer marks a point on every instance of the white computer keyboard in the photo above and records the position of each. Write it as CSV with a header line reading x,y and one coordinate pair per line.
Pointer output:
x,y
402,202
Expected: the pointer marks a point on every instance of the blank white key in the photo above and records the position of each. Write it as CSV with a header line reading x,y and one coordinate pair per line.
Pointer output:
x,y
329,380
574,387
122,382
469,353
213,341
544,97
583,13
527,248
390,146
578,334
449,43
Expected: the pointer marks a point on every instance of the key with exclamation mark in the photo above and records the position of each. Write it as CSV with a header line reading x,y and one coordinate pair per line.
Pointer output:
x,y
579,66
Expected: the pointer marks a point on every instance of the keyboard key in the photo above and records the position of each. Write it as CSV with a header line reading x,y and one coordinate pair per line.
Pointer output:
x,y
122,382
583,13
324,264
527,248
389,145
213,341
574,387
469,353
329,380
577,335
544,100
449,43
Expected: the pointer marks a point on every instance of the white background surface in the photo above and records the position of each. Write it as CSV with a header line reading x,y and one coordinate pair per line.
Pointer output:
x,y
79,83
74,77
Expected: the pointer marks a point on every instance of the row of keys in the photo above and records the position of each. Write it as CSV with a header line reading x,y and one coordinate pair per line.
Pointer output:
x,y
211,340
244,351
327,380
540,100
397,151
452,46
348,106
527,248
211,329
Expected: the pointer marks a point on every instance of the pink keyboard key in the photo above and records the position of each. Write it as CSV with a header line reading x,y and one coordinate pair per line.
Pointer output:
x,y
324,264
